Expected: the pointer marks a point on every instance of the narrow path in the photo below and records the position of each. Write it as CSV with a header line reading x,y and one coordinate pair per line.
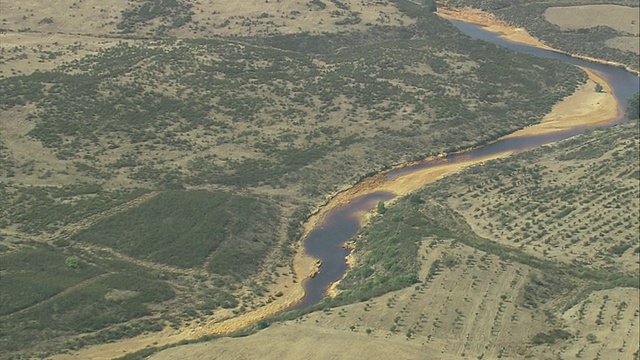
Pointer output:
x,y
64,292
67,231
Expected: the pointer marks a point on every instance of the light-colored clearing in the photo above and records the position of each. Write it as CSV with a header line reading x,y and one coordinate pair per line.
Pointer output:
x,y
302,341
62,16
615,335
260,17
621,18
25,52
625,43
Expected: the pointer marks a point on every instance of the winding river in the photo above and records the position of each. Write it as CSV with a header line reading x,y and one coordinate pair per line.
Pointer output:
x,y
341,223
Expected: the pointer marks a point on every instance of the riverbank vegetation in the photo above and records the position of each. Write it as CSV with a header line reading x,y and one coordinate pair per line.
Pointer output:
x,y
606,30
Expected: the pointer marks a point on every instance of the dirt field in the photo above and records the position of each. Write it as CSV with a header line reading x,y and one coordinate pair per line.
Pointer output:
x,y
622,18
610,322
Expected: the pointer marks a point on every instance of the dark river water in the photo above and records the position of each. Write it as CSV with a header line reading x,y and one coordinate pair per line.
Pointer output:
x,y
341,224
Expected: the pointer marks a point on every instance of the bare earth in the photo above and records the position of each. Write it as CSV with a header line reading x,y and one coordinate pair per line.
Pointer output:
x,y
302,343
491,23
584,107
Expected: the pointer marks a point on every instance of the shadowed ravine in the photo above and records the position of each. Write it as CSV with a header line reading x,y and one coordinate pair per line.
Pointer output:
x,y
341,223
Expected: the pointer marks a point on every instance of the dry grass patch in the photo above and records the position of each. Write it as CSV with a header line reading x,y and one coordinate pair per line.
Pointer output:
x,y
22,53
625,43
62,16
622,18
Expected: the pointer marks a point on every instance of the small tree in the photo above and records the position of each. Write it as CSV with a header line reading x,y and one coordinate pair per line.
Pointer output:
x,y
381,208
72,262
415,199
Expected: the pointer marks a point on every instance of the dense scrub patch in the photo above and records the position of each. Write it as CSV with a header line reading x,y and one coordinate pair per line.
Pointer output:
x,y
47,294
34,274
187,229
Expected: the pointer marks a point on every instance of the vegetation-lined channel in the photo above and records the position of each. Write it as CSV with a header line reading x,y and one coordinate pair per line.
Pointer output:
x,y
342,222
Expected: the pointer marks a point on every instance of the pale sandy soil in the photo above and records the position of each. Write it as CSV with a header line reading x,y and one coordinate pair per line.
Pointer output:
x,y
621,18
491,23
625,43
617,333
303,341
